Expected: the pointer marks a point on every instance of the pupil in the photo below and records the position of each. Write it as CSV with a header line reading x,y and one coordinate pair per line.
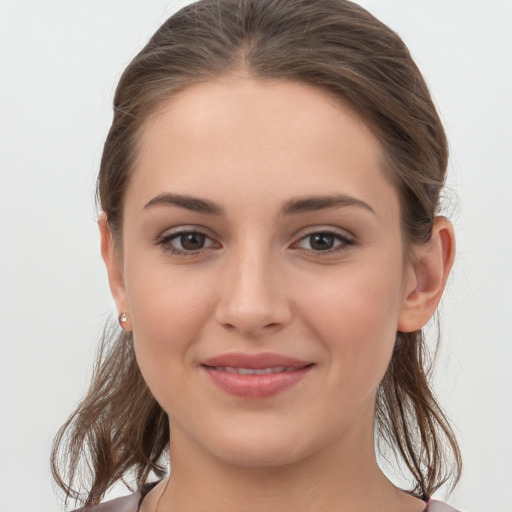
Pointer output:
x,y
322,241
192,241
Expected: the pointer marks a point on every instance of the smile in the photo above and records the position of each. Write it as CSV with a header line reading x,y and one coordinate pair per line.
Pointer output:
x,y
254,371
255,376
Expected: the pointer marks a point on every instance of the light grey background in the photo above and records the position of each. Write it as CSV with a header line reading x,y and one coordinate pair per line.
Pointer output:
x,y
59,63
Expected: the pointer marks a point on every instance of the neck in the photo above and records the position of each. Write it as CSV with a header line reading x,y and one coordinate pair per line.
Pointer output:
x,y
340,478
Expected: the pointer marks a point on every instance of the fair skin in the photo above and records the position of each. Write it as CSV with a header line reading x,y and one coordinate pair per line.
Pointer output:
x,y
323,281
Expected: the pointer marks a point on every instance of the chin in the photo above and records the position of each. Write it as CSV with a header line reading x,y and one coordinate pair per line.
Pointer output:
x,y
262,456
262,447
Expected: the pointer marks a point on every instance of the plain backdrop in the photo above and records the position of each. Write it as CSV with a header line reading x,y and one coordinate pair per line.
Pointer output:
x,y
59,64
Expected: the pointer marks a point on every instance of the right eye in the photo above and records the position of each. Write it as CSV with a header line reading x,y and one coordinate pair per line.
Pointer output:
x,y
186,242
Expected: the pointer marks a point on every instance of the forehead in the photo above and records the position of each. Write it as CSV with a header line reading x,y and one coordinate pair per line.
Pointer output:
x,y
248,138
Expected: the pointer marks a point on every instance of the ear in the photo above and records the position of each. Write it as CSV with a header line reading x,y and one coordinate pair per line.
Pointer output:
x,y
114,270
427,277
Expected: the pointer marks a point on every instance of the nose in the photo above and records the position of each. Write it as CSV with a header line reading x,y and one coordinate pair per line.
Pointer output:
x,y
253,299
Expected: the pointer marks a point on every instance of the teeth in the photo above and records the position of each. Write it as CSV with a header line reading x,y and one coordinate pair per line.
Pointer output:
x,y
255,371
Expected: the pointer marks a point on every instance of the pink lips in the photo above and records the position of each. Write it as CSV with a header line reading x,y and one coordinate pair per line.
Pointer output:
x,y
255,375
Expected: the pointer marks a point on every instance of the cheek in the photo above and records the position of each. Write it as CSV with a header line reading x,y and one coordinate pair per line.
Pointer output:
x,y
356,317
165,302
168,314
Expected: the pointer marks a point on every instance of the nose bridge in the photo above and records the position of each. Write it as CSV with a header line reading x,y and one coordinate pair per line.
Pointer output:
x,y
252,299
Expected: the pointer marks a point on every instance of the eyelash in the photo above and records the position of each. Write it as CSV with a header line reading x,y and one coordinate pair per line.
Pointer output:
x,y
165,242
344,242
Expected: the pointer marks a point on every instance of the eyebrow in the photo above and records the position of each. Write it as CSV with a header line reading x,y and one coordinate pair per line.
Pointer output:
x,y
194,204
314,203
292,207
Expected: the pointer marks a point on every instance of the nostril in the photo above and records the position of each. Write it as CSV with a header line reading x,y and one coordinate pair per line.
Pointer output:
x,y
247,329
252,315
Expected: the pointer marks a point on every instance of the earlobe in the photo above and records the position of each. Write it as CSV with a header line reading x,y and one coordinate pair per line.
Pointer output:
x,y
114,269
432,265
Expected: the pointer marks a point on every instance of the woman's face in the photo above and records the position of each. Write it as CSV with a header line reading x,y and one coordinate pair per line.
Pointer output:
x,y
262,270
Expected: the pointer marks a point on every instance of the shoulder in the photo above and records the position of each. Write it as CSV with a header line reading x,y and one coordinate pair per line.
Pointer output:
x,y
125,504
439,506
130,503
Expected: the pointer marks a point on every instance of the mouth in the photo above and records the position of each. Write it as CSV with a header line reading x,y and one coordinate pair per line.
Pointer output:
x,y
255,376
254,371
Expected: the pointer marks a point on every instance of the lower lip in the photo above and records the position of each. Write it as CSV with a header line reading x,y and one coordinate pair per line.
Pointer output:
x,y
255,386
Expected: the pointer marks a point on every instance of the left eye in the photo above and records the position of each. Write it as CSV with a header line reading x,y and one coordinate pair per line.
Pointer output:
x,y
189,241
323,241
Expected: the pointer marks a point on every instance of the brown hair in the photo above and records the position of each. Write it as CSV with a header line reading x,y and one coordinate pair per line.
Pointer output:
x,y
338,47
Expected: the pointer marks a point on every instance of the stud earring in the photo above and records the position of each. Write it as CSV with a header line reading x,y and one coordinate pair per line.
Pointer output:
x,y
123,317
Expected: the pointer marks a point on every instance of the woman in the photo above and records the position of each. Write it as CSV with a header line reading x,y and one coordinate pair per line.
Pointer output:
x,y
269,192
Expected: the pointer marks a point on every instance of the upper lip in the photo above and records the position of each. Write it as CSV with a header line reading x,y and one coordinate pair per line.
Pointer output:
x,y
255,361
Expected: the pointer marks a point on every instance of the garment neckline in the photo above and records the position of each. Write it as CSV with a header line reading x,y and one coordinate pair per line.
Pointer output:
x,y
144,491
146,488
